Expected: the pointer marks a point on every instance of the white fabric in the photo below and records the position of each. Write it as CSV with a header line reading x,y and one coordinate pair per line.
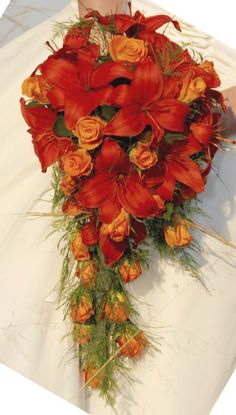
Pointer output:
x,y
195,329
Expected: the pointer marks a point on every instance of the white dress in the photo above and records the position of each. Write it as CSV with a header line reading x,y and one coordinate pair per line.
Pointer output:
x,y
195,329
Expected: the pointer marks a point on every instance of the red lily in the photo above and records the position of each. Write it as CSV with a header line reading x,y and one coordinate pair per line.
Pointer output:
x,y
174,165
143,104
116,184
134,25
47,145
80,88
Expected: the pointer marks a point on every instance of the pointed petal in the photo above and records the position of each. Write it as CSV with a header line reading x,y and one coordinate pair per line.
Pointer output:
x,y
49,149
112,159
138,231
37,118
166,189
135,198
128,122
187,172
95,191
59,72
112,251
202,132
155,175
148,82
110,210
170,114
153,23
107,72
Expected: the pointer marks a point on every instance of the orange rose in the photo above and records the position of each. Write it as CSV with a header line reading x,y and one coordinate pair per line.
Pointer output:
x,y
212,78
79,249
82,311
97,380
126,49
192,88
36,87
129,270
119,228
116,309
67,184
135,345
142,156
178,235
72,208
77,163
86,272
81,333
89,131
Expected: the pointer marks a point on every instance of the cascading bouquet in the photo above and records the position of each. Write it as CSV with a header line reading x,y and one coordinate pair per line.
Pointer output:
x,y
130,122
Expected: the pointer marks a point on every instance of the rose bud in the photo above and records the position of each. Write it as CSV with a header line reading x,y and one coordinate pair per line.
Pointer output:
x,y
89,132
67,184
82,311
129,270
86,272
77,163
135,344
79,249
36,87
116,309
142,156
81,333
97,379
178,235
125,49
119,229
72,208
193,87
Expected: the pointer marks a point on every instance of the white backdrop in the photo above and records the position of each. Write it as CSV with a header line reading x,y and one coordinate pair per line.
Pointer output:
x,y
195,329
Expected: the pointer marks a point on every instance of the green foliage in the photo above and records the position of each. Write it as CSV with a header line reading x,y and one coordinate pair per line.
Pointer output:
x,y
60,128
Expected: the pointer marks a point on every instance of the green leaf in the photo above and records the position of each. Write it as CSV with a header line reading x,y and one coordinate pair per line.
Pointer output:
x,y
170,138
33,103
169,212
108,112
60,128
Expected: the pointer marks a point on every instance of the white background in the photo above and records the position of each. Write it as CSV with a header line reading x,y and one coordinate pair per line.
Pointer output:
x,y
23,396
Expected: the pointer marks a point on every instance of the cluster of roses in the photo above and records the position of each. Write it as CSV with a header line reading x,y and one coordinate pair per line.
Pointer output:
x,y
131,129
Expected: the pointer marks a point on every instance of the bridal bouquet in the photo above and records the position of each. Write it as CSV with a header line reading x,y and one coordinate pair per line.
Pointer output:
x,y
130,122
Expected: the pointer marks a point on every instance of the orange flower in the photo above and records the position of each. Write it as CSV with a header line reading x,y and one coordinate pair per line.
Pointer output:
x,y
160,204
82,311
86,272
97,380
89,131
116,309
142,156
77,163
67,184
81,333
129,270
193,87
178,235
125,49
72,208
36,87
135,345
212,78
79,249
119,228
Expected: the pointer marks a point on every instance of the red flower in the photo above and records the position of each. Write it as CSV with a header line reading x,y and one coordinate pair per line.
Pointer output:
x,y
174,165
135,25
116,184
47,145
80,88
142,104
